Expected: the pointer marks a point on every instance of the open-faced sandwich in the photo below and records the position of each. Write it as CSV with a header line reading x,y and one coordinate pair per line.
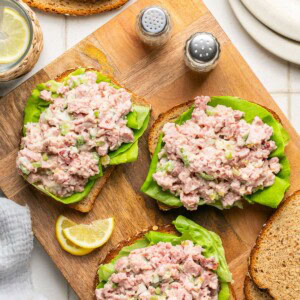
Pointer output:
x,y
217,151
75,128
160,265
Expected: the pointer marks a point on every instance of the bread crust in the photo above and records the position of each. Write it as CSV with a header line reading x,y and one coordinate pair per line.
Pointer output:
x,y
75,7
252,292
255,250
171,116
114,252
86,204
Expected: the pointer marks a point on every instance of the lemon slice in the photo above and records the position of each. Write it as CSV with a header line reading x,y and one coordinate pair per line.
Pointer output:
x,y
14,36
89,236
62,223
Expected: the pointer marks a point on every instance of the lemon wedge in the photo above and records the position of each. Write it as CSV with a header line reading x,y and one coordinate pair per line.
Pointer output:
x,y
62,223
14,36
90,236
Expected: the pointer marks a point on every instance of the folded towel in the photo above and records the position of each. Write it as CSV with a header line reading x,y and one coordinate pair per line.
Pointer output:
x,y
16,244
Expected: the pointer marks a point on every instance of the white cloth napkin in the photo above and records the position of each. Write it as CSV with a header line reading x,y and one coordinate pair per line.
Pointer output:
x,y
16,245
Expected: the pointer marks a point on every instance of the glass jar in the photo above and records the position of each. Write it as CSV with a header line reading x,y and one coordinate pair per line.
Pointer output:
x,y
32,43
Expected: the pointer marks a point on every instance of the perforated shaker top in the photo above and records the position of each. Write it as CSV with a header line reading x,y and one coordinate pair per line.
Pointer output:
x,y
203,47
154,20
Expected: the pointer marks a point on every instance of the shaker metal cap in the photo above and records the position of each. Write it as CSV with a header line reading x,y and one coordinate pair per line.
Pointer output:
x,y
203,47
154,20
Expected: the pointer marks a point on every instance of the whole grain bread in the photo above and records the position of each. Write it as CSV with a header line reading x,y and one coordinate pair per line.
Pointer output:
x,y
275,259
114,252
252,292
171,116
76,7
87,203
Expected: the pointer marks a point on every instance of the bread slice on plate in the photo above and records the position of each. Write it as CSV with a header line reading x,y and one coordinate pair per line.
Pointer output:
x,y
76,7
171,116
252,292
86,204
275,259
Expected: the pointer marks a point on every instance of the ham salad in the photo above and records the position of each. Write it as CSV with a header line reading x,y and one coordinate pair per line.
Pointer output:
x,y
84,121
163,272
216,157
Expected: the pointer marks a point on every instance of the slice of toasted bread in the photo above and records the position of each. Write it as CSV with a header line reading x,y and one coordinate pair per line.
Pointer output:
x,y
87,203
275,259
76,7
252,292
114,252
171,116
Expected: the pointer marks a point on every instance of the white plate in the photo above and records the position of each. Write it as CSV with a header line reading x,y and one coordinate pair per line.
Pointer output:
x,y
278,45
282,16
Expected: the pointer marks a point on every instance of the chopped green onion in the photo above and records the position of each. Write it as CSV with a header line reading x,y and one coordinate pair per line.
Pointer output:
x,y
207,177
37,165
228,154
210,112
64,128
45,157
245,137
24,170
79,141
214,196
83,80
100,143
96,156
157,291
184,157
167,167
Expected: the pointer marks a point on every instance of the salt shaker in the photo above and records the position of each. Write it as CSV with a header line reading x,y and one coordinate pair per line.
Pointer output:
x,y
153,25
202,51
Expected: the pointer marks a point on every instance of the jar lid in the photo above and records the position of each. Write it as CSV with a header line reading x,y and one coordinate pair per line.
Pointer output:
x,y
203,47
154,20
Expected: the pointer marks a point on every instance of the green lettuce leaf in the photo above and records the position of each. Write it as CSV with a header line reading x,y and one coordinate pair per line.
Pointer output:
x,y
73,198
118,154
224,292
208,240
137,117
138,120
130,155
270,196
33,109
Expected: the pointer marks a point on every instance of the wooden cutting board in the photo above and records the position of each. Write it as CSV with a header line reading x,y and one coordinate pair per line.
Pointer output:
x,y
162,78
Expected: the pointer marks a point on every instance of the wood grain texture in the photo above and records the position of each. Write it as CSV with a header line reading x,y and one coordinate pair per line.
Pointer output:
x,y
162,78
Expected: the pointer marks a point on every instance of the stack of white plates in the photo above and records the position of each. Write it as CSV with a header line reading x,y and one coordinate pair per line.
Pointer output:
x,y
274,24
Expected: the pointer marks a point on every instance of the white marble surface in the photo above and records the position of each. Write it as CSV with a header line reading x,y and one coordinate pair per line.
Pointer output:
x,y
281,79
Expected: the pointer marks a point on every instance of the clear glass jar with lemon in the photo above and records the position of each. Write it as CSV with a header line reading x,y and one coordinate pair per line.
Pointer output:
x,y
17,38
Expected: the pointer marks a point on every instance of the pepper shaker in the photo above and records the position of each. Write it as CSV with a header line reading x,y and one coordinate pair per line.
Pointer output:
x,y
153,25
202,51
